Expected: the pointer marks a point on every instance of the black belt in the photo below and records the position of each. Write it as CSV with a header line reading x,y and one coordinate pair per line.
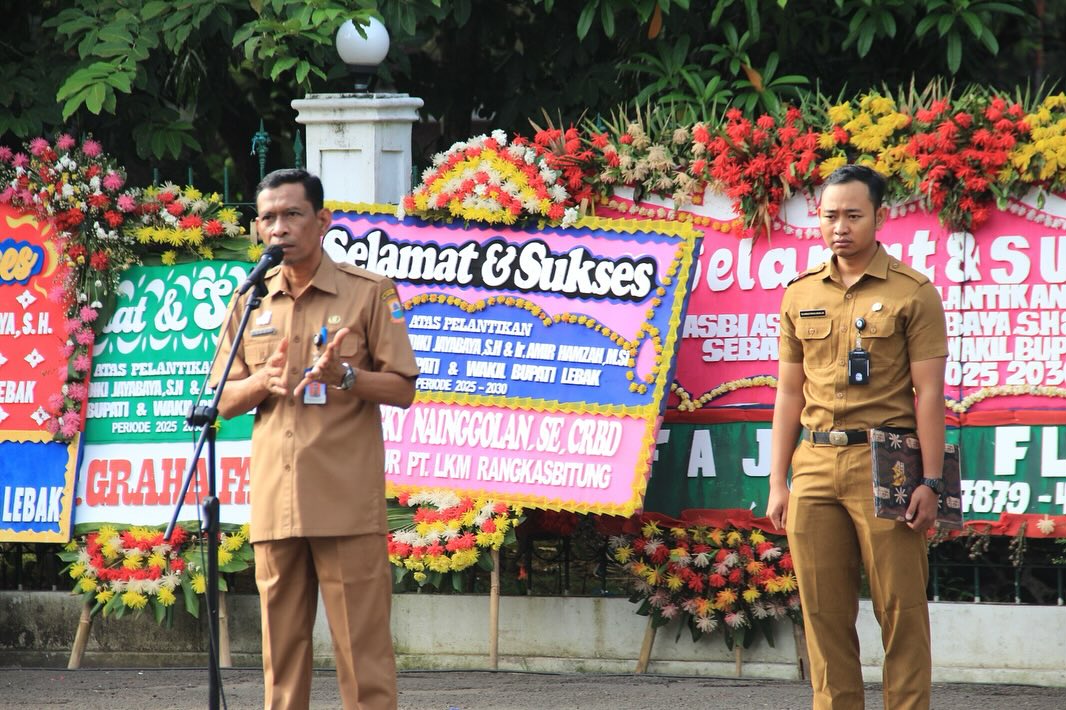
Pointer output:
x,y
839,437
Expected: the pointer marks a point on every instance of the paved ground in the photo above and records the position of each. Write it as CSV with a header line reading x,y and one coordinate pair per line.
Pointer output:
x,y
27,689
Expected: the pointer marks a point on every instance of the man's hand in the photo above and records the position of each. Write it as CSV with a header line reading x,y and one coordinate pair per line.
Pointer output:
x,y
327,367
777,506
273,373
921,513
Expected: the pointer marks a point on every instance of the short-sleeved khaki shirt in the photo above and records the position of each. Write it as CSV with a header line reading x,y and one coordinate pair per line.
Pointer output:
x,y
904,323
318,470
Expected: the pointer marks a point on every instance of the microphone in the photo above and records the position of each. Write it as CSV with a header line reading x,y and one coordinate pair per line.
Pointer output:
x,y
270,258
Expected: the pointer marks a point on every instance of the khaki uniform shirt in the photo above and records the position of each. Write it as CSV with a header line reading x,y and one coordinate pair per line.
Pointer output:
x,y
904,323
318,470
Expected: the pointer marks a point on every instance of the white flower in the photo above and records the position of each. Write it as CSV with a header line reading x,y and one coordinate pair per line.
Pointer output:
x,y
400,214
500,137
569,216
94,183
1045,525
68,190
557,192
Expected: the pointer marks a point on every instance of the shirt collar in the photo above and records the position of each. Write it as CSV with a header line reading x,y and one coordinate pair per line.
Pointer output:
x,y
877,268
325,278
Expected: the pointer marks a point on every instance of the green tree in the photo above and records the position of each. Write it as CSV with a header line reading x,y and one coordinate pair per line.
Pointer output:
x,y
186,82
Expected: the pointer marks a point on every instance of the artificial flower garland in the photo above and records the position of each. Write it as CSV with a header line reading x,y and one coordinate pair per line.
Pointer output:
x,y
102,228
449,534
710,574
958,156
119,571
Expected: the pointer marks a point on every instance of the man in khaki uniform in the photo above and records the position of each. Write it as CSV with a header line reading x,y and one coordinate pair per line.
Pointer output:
x,y
829,395
317,480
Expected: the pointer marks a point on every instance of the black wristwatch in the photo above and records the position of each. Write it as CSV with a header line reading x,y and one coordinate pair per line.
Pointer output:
x,y
937,484
349,377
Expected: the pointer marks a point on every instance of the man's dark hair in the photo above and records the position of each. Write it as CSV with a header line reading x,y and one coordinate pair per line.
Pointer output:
x,y
873,180
312,185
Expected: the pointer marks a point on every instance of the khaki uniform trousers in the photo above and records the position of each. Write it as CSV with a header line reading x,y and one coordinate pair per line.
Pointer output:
x,y
831,528
356,583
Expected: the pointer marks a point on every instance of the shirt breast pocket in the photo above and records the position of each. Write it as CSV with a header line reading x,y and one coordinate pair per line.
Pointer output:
x,y
878,338
257,352
817,340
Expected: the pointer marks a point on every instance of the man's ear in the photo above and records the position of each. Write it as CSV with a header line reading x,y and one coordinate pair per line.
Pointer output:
x,y
880,217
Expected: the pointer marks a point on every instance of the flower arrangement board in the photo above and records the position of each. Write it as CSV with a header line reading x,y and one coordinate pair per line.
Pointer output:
x,y
545,353
149,367
36,473
1001,286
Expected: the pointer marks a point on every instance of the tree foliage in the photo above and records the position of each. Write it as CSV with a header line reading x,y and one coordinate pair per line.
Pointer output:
x,y
176,82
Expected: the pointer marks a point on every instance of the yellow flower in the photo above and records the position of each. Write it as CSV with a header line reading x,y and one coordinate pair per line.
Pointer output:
x,y
420,577
674,583
191,193
224,556
733,538
725,598
254,252
157,559
165,596
77,569
840,113
228,214
105,596
751,594
169,258
206,252
826,140
86,584
650,529
623,554
199,584
827,166
756,536
134,600
133,559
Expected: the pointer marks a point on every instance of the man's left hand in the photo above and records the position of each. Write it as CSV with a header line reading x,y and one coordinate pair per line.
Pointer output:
x,y
327,367
921,513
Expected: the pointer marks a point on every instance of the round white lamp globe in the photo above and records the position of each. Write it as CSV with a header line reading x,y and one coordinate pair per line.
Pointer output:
x,y
356,50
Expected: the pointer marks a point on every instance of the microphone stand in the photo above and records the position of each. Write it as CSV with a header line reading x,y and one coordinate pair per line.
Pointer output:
x,y
205,417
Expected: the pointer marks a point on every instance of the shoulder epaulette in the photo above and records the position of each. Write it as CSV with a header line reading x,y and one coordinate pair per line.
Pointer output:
x,y
804,274
358,271
901,268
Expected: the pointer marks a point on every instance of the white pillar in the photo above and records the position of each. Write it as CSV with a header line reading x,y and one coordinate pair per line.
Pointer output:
x,y
360,144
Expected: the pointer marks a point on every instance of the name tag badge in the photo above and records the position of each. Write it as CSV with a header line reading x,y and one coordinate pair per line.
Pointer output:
x,y
314,392
813,313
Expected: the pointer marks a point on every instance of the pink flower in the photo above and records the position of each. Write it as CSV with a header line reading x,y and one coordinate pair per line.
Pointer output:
x,y
85,336
113,181
52,425
5,153
65,142
70,425
38,146
82,363
88,314
66,351
91,148
76,391
55,402
6,195
72,324
57,294
126,203
20,160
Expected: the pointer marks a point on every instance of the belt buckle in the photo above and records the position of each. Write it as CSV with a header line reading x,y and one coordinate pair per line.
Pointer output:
x,y
838,438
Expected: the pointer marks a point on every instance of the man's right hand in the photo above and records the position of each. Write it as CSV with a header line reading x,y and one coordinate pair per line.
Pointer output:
x,y
273,373
777,506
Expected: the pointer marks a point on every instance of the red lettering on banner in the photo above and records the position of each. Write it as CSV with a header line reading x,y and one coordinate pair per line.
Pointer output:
x,y
96,483
197,487
146,490
172,476
120,470
234,474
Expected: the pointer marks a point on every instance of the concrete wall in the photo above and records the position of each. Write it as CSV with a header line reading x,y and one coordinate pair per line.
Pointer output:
x,y
976,643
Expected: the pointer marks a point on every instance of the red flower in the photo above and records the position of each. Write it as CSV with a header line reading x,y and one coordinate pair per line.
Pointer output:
x,y
113,218
191,221
213,227
175,208
99,261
